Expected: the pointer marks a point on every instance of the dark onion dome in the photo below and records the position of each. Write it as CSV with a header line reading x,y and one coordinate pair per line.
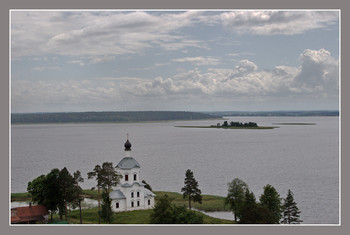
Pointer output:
x,y
128,163
127,146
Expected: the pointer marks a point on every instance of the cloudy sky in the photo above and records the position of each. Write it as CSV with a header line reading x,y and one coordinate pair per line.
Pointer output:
x,y
174,60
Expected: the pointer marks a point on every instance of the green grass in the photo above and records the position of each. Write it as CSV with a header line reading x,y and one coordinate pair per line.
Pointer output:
x,y
210,203
127,217
20,197
232,127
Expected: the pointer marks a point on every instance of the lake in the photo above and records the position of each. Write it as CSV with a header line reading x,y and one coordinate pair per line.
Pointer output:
x,y
303,158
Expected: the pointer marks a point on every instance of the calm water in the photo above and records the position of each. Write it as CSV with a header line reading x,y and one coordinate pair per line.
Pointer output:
x,y
304,159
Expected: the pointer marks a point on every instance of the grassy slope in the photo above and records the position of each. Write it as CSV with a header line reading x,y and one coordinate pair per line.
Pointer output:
x,y
209,203
131,217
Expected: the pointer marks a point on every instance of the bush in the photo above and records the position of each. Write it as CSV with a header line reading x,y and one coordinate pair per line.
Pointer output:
x,y
166,213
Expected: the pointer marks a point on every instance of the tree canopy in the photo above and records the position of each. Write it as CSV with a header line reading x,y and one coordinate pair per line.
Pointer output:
x,y
236,196
166,213
54,191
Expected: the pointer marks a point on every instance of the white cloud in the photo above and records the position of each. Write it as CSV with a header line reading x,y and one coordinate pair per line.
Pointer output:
x,y
315,78
42,68
198,61
277,22
36,33
80,62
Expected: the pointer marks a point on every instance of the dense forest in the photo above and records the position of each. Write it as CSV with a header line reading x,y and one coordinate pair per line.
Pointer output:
x,y
277,113
134,116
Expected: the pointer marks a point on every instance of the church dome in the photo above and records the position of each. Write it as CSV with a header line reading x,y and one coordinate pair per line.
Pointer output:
x,y
128,163
127,145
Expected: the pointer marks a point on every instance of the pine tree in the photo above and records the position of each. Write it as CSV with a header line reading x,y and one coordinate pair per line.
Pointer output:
x,y
191,189
272,201
291,212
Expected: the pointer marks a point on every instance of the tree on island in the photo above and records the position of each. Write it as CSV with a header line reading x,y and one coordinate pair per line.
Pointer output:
x,y
236,196
191,189
272,201
291,213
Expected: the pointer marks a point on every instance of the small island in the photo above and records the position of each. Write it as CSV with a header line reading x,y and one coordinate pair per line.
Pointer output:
x,y
233,125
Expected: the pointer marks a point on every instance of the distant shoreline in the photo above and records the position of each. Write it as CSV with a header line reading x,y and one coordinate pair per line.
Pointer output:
x,y
149,116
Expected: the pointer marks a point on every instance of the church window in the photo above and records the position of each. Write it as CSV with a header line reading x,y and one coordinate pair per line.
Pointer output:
x,y
138,194
135,177
149,202
132,204
138,203
117,205
126,177
132,194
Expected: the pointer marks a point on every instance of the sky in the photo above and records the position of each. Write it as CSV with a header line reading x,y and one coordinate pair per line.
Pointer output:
x,y
195,60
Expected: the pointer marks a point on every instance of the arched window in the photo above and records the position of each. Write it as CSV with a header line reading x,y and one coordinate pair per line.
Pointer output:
x,y
135,176
132,194
138,194
132,204
149,202
138,203
117,205
126,177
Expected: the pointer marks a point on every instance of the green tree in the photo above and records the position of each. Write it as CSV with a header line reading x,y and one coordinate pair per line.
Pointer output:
x,y
162,211
235,196
166,213
252,212
109,178
67,189
78,191
106,212
96,173
291,213
147,186
191,189
45,190
272,201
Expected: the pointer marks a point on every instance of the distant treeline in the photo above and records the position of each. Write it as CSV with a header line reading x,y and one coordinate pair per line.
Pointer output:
x,y
132,116
276,113
238,124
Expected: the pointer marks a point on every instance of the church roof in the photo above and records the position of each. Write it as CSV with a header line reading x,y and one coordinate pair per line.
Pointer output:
x,y
128,163
126,185
117,194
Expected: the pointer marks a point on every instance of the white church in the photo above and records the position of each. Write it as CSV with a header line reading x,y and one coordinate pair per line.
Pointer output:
x,y
130,193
